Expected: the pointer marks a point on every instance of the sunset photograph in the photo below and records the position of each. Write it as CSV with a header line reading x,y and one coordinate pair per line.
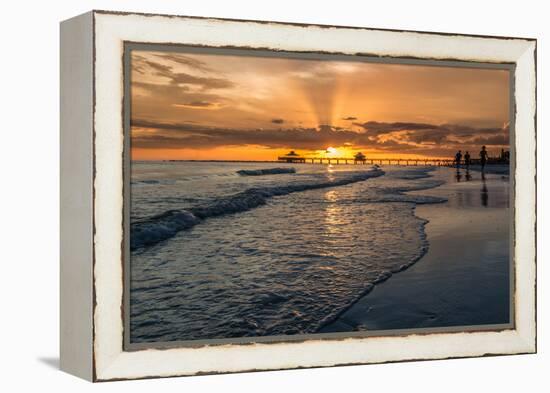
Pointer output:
x,y
286,194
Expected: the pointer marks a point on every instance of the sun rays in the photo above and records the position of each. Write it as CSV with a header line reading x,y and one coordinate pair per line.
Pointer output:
x,y
221,106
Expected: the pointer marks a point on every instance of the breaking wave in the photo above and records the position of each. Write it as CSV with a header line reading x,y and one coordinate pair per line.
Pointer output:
x,y
165,225
268,171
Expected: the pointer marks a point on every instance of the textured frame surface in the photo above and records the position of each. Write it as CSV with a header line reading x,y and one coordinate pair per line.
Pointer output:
x,y
111,30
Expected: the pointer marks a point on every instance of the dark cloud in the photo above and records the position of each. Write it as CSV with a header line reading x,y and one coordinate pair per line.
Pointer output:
x,y
426,136
277,121
199,104
418,138
180,135
438,134
349,118
328,128
393,145
175,95
381,128
499,140
185,60
159,69
180,78
176,127
202,104
162,91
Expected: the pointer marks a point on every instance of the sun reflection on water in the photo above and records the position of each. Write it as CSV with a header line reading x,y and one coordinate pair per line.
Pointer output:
x,y
330,172
334,215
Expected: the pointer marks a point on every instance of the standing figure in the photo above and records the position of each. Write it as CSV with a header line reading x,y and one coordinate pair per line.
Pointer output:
x,y
458,158
483,157
467,160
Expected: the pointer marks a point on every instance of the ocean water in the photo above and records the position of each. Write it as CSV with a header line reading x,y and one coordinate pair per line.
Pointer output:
x,y
226,250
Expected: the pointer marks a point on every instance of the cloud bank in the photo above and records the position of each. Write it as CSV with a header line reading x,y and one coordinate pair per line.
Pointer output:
x,y
419,138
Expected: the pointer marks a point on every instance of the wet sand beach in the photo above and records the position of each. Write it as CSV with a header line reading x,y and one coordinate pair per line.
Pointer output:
x,y
464,277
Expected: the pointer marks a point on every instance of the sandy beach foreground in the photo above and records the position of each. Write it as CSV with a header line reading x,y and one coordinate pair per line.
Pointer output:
x,y
464,277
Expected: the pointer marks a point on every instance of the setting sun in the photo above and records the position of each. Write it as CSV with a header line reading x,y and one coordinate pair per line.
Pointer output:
x,y
190,106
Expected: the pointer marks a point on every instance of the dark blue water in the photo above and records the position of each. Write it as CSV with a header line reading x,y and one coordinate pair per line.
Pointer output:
x,y
289,254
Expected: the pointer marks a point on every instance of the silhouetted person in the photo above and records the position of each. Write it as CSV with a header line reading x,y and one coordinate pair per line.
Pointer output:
x,y
458,158
484,191
483,157
467,160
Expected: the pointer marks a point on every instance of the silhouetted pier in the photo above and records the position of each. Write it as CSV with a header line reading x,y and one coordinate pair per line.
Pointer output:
x,y
296,159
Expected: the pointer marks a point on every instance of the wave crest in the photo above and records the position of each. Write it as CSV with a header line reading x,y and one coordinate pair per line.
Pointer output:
x,y
166,225
268,171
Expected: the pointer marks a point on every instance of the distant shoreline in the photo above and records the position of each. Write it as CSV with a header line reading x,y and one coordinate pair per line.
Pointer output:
x,y
266,161
489,168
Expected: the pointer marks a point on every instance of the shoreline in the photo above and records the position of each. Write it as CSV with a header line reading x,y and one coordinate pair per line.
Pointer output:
x,y
463,279
493,169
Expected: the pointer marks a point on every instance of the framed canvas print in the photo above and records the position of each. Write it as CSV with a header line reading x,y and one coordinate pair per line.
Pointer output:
x,y
246,195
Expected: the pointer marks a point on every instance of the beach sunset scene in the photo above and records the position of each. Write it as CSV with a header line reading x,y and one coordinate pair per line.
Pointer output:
x,y
280,195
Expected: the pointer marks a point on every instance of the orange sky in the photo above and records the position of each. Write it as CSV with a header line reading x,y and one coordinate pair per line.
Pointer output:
x,y
203,106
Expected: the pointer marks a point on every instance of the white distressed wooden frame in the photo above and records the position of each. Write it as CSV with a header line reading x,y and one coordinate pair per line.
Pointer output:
x,y
92,195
